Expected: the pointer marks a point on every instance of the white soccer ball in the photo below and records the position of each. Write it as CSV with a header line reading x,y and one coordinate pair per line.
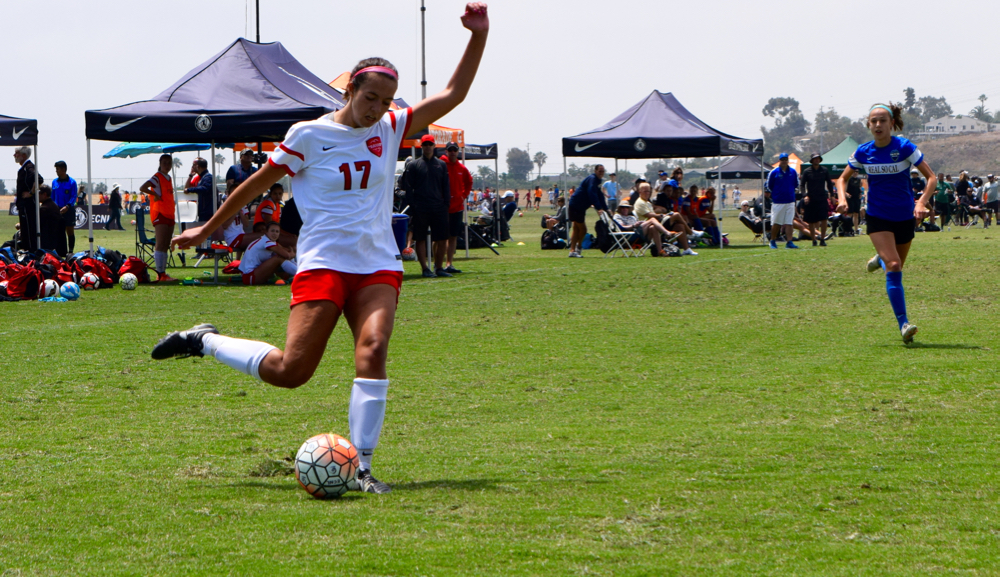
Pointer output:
x,y
327,466
50,288
128,281
89,281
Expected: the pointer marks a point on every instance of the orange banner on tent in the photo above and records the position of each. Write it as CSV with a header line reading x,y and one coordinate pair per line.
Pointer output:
x,y
267,146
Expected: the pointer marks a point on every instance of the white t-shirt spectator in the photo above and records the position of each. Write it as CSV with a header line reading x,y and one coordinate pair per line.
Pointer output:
x,y
626,221
992,191
255,254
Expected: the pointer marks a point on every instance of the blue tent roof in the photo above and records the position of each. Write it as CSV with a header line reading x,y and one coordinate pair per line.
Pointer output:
x,y
18,131
658,127
134,149
249,92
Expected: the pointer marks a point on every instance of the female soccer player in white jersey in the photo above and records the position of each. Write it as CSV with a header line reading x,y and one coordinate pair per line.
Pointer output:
x,y
891,214
342,167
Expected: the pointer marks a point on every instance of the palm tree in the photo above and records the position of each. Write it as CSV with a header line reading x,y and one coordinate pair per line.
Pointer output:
x,y
178,163
540,158
980,112
219,159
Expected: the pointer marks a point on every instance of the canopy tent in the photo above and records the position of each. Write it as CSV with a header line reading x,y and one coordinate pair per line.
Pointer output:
x,y
24,132
248,92
835,160
658,127
739,167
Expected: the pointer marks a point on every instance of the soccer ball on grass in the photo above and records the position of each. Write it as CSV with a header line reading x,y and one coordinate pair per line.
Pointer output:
x,y
89,281
50,288
70,291
128,281
327,466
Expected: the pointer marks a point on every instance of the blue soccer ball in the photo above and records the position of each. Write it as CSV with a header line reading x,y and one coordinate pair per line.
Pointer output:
x,y
70,291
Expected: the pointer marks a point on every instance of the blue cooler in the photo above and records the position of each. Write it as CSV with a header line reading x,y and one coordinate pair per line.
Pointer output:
x,y
400,224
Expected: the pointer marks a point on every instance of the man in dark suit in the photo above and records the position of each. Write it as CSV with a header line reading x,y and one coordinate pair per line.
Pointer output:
x,y
25,201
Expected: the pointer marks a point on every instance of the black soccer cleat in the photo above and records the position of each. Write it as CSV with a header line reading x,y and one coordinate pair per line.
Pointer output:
x,y
183,344
369,484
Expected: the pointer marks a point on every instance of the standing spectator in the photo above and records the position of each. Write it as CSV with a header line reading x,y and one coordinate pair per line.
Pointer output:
x,y
782,182
51,223
944,196
736,196
64,194
610,190
269,209
588,194
538,198
459,187
160,191
25,201
991,198
722,199
425,181
816,189
555,196
81,197
202,185
115,206
854,194
238,173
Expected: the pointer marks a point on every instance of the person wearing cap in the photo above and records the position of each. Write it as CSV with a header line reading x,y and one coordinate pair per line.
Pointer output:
x,y
782,182
64,192
661,182
427,187
459,186
749,219
610,190
238,173
588,194
115,206
816,188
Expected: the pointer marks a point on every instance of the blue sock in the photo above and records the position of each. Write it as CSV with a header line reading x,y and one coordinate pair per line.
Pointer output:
x,y
881,263
894,288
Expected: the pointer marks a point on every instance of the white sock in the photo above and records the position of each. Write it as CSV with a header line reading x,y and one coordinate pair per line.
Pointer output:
x,y
289,267
243,355
160,260
365,417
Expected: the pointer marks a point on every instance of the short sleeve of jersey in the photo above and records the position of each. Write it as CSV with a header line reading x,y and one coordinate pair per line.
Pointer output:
x,y
290,155
399,122
911,153
853,160
154,184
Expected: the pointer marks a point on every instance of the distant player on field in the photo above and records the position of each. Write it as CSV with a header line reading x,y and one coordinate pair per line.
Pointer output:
x,y
343,172
891,213
160,189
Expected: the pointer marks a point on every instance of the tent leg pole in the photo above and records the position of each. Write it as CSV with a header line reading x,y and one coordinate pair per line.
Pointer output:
x,y
718,193
215,207
90,202
465,216
496,196
38,208
763,183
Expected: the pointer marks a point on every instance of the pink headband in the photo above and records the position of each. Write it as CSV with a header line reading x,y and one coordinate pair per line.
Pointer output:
x,y
382,69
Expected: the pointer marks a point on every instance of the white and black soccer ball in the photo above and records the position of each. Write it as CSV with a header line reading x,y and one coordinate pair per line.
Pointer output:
x,y
89,281
50,288
327,466
128,281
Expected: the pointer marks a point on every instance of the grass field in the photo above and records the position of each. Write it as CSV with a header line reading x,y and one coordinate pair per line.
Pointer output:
x,y
745,411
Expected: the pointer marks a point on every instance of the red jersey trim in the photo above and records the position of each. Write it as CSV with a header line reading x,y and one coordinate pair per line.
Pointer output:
x,y
281,166
392,119
409,119
292,152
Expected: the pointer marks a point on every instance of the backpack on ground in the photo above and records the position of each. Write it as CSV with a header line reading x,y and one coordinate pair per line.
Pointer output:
x,y
551,241
136,266
112,258
24,283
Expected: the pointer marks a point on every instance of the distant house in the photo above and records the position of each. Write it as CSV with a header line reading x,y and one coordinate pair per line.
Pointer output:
x,y
952,124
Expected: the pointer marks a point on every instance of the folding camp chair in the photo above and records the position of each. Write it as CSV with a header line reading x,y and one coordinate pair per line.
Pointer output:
x,y
620,239
145,246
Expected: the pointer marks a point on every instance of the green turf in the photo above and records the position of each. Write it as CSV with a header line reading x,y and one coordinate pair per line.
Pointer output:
x,y
746,411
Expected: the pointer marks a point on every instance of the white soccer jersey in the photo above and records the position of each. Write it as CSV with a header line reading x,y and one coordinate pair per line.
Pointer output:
x,y
235,227
255,254
343,180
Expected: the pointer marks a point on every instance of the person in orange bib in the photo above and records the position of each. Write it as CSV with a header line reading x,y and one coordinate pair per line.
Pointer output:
x,y
270,208
160,191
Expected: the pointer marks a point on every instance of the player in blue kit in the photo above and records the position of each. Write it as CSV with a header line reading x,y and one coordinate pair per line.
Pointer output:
x,y
891,212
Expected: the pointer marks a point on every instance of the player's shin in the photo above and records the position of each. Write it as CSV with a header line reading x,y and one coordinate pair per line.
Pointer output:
x,y
366,415
243,355
897,298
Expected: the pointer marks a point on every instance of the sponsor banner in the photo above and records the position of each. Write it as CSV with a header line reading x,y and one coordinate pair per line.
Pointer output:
x,y
101,215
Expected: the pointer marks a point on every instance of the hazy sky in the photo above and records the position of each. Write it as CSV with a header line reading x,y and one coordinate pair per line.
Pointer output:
x,y
551,69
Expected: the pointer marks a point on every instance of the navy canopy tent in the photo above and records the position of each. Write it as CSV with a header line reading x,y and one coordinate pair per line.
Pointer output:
x,y
658,127
740,167
18,131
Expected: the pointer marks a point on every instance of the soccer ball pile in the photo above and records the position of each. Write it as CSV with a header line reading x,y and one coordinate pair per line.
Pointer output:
x,y
327,466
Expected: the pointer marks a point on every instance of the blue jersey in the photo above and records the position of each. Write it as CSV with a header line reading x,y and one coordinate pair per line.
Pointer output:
x,y
888,170
782,185
64,193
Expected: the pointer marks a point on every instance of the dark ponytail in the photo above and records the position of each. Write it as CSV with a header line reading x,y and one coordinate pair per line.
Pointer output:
x,y
360,79
896,110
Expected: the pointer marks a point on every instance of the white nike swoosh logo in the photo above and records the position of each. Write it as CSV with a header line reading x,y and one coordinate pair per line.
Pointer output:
x,y
18,134
113,127
579,148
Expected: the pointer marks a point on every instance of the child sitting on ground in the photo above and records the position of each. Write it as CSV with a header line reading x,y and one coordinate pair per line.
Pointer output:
x,y
265,257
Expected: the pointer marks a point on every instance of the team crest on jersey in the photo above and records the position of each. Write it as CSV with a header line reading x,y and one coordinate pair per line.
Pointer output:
x,y
895,155
375,145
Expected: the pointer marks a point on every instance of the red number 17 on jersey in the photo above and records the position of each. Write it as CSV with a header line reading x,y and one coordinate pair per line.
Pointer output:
x,y
361,165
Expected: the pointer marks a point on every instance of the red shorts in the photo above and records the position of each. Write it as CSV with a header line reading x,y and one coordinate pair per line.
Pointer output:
x,y
236,242
163,219
248,278
330,285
